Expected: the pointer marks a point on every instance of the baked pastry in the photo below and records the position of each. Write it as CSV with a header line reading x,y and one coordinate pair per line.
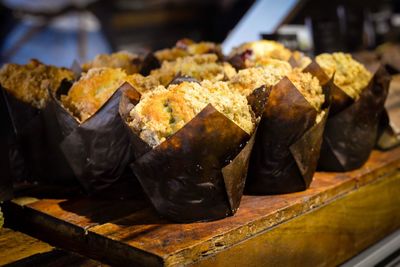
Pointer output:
x,y
301,61
30,83
92,90
246,80
250,54
187,47
142,83
163,111
351,76
200,67
129,62
309,87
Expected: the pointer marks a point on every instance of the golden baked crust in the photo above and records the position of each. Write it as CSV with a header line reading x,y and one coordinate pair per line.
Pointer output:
x,y
309,87
29,83
122,59
163,111
92,90
350,75
259,50
246,80
301,59
187,47
142,83
200,67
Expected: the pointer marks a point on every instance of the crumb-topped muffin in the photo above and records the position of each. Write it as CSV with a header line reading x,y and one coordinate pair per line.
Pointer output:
x,y
187,47
246,80
92,90
124,60
301,59
163,111
350,75
200,67
253,52
309,87
30,83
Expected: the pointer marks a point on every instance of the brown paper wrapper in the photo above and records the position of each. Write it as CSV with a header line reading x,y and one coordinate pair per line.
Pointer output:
x,y
34,145
97,149
6,135
351,131
198,173
288,140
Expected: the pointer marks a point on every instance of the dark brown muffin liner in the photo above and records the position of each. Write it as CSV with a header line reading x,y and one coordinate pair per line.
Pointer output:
x,y
198,173
351,130
288,140
6,135
97,149
32,146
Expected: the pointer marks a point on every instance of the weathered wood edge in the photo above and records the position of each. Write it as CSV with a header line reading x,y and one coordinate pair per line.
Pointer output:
x,y
74,238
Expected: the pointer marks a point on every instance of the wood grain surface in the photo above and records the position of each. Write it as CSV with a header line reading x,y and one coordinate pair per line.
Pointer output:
x,y
125,230
19,250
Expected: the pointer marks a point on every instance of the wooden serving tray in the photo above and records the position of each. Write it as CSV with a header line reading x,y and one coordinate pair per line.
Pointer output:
x,y
339,216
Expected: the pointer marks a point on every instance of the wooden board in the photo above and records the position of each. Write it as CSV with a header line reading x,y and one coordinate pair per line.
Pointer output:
x,y
18,249
127,231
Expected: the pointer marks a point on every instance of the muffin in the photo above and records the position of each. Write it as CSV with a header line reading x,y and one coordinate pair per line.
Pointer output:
x,y
309,87
123,60
92,90
249,54
351,76
163,111
246,80
30,83
200,67
142,83
187,47
300,60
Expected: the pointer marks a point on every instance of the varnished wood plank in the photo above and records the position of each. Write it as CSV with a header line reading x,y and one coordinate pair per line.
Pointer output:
x,y
325,237
16,246
19,250
137,235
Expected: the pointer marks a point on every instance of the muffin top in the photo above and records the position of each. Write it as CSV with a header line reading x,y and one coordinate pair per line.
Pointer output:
x,y
187,47
200,67
302,60
30,83
258,50
142,83
246,80
92,90
350,75
122,59
163,111
309,87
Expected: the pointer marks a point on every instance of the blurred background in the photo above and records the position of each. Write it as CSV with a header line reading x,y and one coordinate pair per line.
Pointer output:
x,y
60,31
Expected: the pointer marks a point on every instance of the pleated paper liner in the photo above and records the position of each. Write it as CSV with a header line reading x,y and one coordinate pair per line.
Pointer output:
x,y
6,135
33,146
388,134
351,132
288,140
96,149
198,173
